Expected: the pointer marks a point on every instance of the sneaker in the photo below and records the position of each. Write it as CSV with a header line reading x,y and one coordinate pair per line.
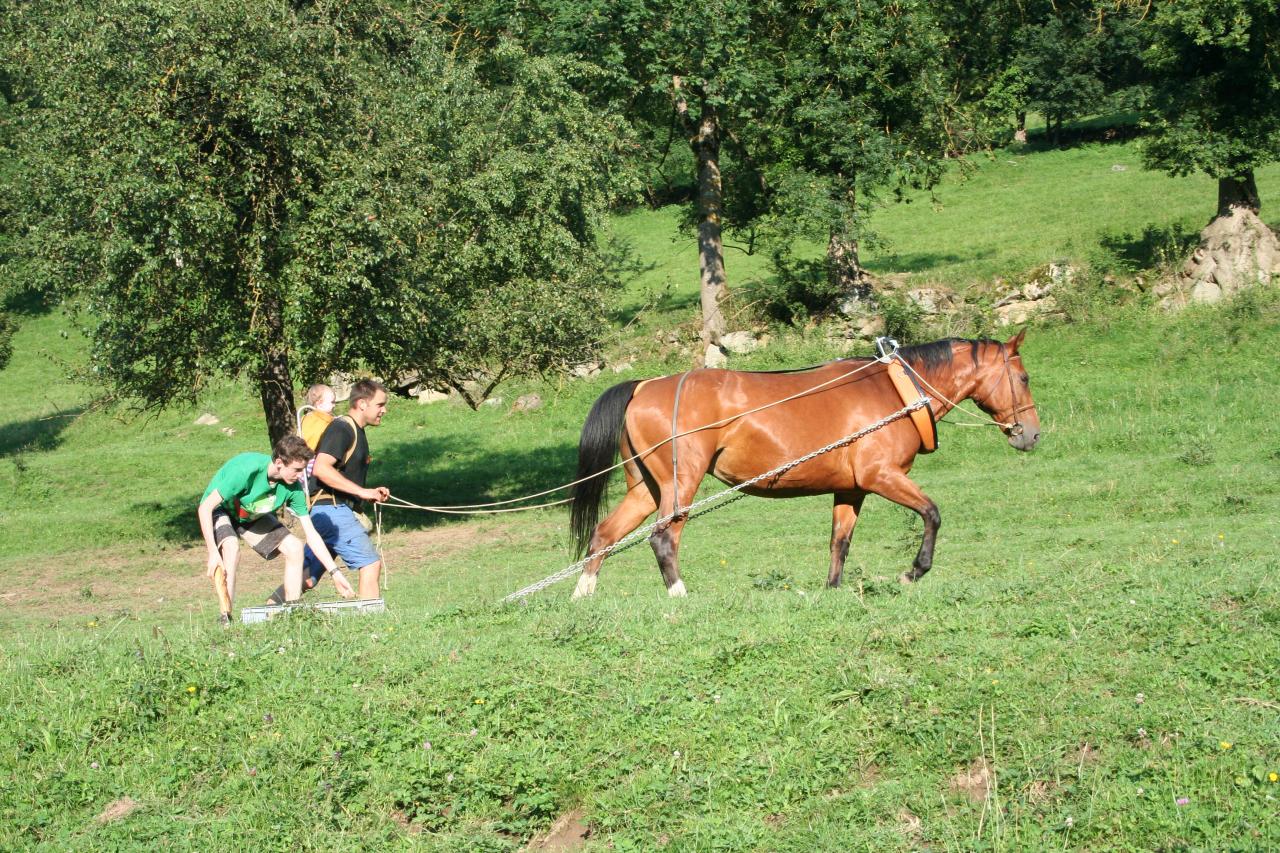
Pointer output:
x,y
224,619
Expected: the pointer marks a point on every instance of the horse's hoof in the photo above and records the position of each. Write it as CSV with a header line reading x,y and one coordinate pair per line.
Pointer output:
x,y
586,587
905,578
677,590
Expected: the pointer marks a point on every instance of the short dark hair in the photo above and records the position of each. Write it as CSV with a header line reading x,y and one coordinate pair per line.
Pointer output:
x,y
365,389
292,448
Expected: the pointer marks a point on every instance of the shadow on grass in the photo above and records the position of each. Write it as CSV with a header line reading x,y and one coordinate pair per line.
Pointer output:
x,y
37,435
29,303
1156,246
922,261
456,470
1103,129
663,303
437,471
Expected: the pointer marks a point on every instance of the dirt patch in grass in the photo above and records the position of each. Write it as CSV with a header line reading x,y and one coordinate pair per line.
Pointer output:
x,y
414,546
1086,754
911,827
402,820
975,781
871,776
119,810
107,584
1041,791
567,833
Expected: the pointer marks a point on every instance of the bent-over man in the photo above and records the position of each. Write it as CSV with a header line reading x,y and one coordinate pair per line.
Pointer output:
x,y
241,503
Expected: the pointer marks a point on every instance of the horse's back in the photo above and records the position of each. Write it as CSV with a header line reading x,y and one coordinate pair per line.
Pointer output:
x,y
750,422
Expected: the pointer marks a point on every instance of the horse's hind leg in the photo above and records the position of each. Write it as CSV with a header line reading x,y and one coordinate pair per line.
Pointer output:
x,y
666,539
634,509
843,517
897,487
666,547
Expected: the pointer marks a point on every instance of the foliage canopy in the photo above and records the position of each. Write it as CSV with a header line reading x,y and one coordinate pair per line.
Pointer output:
x,y
280,190
1216,87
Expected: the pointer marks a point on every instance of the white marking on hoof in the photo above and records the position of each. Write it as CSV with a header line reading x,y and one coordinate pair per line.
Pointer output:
x,y
586,586
677,590
905,578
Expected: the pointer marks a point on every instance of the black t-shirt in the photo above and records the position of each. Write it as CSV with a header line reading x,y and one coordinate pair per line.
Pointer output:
x,y
336,441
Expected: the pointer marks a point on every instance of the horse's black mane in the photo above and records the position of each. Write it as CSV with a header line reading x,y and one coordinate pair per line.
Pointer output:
x,y
938,353
930,355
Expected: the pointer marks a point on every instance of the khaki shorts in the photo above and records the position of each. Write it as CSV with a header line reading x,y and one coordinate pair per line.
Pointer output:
x,y
264,534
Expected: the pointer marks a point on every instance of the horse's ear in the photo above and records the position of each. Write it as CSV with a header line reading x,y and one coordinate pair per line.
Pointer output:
x,y
1016,341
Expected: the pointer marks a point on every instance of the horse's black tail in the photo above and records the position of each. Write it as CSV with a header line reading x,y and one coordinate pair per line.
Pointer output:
x,y
596,450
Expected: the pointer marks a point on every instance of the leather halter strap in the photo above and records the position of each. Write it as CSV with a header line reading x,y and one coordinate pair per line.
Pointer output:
x,y
1013,396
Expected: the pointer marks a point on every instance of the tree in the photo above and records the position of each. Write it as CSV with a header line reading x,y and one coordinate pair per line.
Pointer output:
x,y
1215,69
861,115
773,100
278,190
1064,59
1060,60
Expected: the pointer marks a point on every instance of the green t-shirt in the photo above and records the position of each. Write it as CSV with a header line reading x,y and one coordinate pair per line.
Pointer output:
x,y
246,493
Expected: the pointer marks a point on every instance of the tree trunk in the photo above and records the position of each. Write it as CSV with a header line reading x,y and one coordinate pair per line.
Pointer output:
x,y
275,384
706,148
1239,191
1020,132
845,272
1237,250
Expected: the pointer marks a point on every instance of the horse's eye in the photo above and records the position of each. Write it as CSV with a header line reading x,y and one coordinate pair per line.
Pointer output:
x,y
1026,380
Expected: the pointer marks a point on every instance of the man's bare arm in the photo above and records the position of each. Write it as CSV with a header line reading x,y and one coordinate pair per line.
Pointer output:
x,y
326,472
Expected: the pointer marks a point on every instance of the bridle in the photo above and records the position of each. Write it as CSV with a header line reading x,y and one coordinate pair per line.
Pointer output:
x,y
1011,426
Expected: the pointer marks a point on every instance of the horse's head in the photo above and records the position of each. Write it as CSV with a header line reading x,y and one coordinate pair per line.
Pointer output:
x,y
1004,392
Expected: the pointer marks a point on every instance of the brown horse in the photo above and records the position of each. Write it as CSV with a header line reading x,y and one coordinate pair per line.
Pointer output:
x,y
640,417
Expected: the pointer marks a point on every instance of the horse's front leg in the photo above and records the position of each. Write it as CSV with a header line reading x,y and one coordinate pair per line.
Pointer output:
x,y
897,487
844,516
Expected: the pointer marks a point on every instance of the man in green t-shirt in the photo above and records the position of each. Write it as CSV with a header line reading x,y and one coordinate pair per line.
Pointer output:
x,y
241,503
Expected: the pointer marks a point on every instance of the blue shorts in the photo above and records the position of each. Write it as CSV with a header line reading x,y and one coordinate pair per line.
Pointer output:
x,y
343,536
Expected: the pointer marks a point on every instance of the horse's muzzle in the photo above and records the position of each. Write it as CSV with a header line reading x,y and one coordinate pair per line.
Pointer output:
x,y
1022,438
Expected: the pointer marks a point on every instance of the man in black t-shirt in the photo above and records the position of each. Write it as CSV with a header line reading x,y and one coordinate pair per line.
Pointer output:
x,y
341,469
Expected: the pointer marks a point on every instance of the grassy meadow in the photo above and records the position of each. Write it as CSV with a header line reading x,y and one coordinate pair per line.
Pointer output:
x,y
1092,663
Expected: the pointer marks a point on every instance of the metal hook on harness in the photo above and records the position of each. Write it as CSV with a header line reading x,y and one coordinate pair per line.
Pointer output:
x,y
887,347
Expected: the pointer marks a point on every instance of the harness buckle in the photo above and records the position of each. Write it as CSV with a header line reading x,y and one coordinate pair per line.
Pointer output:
x,y
887,348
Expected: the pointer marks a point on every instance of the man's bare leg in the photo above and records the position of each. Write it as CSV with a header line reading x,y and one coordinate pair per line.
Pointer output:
x,y
292,551
369,576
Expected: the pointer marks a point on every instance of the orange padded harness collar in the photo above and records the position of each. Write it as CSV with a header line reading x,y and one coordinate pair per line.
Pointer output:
x,y
910,391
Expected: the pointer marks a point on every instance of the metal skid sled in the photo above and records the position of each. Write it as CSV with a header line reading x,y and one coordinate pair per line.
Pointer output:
x,y
251,615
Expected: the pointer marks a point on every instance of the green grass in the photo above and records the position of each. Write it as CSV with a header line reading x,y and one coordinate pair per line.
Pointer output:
x,y
1133,553
1102,619
1013,211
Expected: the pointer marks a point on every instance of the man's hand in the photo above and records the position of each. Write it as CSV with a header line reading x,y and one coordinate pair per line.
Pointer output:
x,y
343,585
377,495
215,560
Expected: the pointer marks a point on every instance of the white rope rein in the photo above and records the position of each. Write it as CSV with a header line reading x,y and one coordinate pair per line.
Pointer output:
x,y
695,508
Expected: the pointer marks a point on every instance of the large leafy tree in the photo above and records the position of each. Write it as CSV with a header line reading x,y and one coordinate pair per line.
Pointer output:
x,y
1215,108
862,113
798,115
278,189
1064,59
